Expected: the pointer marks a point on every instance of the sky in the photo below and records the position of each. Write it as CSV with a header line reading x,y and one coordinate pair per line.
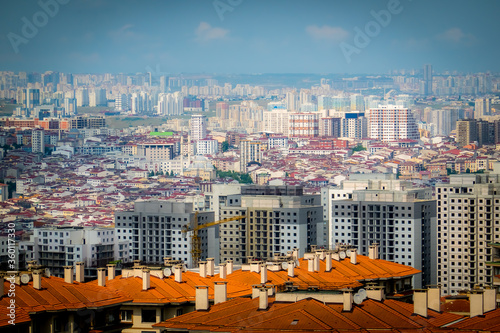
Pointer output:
x,y
249,36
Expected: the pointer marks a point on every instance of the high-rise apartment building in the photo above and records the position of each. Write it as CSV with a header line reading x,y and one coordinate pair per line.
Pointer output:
x,y
352,124
278,219
303,124
426,83
198,127
38,141
154,231
392,123
292,101
468,220
330,127
250,151
170,104
380,209
222,110
482,107
276,121
28,97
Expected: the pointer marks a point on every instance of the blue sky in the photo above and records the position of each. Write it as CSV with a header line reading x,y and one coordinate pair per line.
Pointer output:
x,y
249,36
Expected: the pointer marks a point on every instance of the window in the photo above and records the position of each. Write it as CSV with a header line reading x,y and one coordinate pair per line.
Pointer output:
x,y
148,316
126,315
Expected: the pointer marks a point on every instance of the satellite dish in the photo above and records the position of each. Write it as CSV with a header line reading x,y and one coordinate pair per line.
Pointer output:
x,y
47,272
284,265
167,272
25,278
336,256
342,255
358,299
348,253
362,293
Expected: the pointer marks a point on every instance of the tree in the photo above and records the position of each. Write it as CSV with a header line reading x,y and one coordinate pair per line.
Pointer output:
x,y
225,146
151,174
358,148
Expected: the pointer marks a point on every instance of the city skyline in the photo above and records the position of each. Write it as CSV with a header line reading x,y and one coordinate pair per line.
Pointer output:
x,y
247,37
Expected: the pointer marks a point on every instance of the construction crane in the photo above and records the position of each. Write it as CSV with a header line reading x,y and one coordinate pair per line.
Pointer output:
x,y
195,239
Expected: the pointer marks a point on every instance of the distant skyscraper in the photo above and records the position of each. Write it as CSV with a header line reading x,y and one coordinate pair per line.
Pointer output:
x,y
426,87
29,97
466,131
292,101
329,127
170,104
222,110
198,127
38,141
482,108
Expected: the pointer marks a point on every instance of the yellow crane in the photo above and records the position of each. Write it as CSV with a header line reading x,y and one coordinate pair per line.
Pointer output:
x,y
195,239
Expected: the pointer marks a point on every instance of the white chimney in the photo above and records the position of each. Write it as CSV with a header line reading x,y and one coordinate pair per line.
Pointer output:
x,y
137,263
111,271
80,272
476,302
201,300
178,273
37,279
255,290
328,262
434,298
375,292
203,268
316,262
347,299
291,266
263,301
146,279
255,266
229,267
373,251
321,254
489,299
354,256
222,271
210,266
420,302
310,265
68,274
295,253
220,291
263,273
101,276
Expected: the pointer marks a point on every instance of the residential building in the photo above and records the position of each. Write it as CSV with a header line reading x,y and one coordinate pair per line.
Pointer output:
x,y
468,220
38,141
276,121
198,127
250,151
303,124
482,108
392,123
377,208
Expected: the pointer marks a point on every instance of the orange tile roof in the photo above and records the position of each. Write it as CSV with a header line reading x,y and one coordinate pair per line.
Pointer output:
x,y
59,295
242,315
239,283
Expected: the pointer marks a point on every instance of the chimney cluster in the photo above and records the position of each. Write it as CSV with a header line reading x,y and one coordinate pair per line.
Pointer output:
x,y
424,299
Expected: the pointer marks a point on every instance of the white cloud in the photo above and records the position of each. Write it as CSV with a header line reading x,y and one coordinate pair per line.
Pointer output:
x,y
124,33
456,36
335,34
205,32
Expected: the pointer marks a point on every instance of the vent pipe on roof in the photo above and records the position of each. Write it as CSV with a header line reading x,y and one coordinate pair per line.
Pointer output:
x,y
316,262
37,279
295,253
210,266
476,302
291,268
201,300
263,299
203,268
178,273
434,298
222,271
146,279
420,302
373,251
101,276
80,272
220,292
263,273
328,262
229,267
111,271
68,274
347,299
354,256
310,264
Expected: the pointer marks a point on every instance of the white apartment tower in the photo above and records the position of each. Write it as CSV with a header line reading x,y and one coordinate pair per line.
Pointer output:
x,y
250,151
468,220
38,140
391,123
198,127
